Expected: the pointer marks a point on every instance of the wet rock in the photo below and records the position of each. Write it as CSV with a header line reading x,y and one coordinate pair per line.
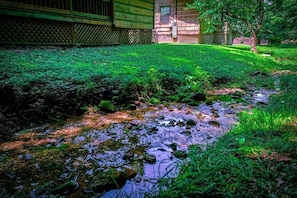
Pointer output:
x,y
138,179
129,173
173,146
191,122
180,123
180,154
152,130
128,156
186,133
107,106
66,188
214,123
28,157
105,181
161,117
150,158
79,139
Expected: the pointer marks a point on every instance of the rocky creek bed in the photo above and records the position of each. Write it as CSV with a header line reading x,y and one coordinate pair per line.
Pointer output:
x,y
121,154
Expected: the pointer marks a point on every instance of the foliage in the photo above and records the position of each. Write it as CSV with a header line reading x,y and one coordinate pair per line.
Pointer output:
x,y
247,14
280,21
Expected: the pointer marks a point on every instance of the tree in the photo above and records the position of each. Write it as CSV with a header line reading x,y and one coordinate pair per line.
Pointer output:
x,y
238,13
280,21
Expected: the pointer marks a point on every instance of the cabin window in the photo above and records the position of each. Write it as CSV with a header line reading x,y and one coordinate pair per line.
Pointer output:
x,y
164,14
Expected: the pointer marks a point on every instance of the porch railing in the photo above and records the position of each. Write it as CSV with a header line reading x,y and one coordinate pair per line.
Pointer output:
x,y
83,8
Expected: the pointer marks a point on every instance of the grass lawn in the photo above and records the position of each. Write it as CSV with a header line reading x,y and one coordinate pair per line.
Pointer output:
x,y
39,84
256,159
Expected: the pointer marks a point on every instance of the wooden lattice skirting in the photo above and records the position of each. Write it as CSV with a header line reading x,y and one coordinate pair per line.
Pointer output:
x,y
31,31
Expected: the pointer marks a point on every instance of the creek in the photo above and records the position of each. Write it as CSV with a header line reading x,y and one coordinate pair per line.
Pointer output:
x,y
149,143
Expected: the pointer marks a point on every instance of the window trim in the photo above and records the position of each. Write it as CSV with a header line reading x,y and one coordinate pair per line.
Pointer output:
x,y
166,20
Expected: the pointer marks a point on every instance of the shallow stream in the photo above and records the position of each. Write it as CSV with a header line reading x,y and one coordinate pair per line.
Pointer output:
x,y
151,141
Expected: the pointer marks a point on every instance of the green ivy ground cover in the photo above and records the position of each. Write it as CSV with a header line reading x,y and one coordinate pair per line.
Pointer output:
x,y
39,83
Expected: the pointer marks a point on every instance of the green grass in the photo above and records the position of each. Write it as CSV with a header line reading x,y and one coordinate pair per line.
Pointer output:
x,y
256,159
148,68
36,84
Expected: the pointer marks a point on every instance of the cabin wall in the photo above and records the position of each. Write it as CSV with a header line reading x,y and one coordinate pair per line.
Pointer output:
x,y
75,22
135,14
183,25
187,23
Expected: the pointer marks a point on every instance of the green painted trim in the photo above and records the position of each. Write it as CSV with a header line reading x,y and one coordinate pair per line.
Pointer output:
x,y
53,16
90,16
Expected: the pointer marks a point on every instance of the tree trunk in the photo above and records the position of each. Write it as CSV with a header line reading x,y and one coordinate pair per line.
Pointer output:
x,y
254,42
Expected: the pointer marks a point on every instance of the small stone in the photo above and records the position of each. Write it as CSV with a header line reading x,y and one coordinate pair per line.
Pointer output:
x,y
186,133
180,123
173,146
138,179
214,123
79,139
150,158
28,157
160,117
191,122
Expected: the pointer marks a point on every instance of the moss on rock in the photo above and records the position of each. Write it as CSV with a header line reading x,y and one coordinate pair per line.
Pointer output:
x,y
107,106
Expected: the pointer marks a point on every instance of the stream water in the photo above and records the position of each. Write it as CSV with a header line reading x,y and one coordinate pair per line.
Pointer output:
x,y
152,141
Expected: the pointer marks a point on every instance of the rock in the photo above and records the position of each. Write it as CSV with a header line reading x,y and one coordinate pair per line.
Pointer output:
x,y
152,130
66,188
79,139
191,122
150,158
186,133
173,146
180,123
128,156
138,179
214,123
28,157
180,154
199,97
105,181
107,106
129,173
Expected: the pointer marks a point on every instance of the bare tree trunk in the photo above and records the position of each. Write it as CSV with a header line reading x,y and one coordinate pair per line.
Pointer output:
x,y
254,42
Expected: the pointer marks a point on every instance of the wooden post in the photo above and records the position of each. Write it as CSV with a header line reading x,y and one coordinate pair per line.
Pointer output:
x,y
71,6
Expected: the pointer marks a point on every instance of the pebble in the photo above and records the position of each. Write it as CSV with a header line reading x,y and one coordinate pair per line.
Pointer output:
x,y
28,157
